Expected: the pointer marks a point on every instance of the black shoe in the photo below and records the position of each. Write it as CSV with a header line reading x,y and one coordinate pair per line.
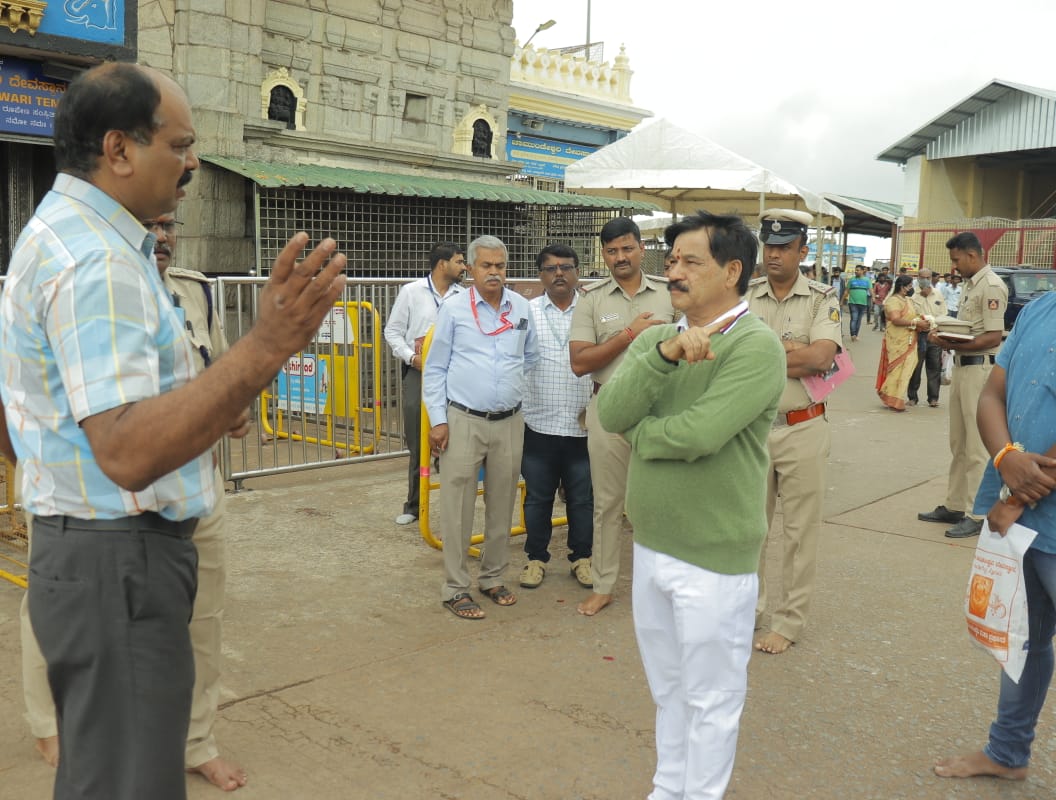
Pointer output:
x,y
911,401
942,514
965,529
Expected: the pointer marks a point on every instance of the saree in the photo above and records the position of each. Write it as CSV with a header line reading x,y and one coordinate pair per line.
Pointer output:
x,y
898,354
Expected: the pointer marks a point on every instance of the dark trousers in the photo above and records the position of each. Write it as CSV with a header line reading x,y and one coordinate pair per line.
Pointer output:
x,y
110,609
857,312
929,358
412,428
546,462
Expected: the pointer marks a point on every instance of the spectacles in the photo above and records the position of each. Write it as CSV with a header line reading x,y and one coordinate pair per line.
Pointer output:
x,y
552,268
167,227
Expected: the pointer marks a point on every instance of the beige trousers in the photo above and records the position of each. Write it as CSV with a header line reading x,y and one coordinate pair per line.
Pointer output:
x,y
968,454
610,456
205,629
797,473
495,445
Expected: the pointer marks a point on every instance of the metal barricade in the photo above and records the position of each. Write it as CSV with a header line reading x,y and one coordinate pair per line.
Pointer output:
x,y
12,532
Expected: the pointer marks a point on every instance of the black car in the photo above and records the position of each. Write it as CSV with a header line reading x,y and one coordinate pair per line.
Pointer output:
x,y
1024,284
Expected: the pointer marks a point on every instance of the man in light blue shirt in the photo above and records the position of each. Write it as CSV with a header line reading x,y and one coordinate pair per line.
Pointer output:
x,y
114,432
473,385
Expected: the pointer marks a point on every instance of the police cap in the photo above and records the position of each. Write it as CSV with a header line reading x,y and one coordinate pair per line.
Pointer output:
x,y
782,225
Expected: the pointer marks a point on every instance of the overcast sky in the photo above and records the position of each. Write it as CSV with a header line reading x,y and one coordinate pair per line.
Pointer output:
x,y
813,91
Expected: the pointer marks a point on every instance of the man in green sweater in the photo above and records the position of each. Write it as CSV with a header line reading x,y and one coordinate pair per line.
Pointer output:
x,y
696,402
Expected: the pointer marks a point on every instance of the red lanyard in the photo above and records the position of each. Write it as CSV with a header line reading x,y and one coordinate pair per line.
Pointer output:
x,y
503,317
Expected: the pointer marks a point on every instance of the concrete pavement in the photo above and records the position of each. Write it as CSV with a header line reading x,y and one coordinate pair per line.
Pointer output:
x,y
345,678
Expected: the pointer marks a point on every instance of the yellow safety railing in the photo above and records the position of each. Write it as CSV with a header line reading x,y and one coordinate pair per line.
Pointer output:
x,y
426,484
16,530
342,373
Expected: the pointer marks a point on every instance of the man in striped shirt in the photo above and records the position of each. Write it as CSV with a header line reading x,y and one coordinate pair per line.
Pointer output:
x,y
555,440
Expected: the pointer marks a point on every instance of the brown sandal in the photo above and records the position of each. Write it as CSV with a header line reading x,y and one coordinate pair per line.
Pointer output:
x,y
500,595
462,606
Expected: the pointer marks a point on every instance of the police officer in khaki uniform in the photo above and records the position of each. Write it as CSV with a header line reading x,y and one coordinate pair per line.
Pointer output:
x,y
608,317
983,302
192,293
805,314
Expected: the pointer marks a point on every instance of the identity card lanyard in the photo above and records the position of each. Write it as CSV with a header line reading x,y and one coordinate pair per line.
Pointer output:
x,y
559,337
503,317
432,290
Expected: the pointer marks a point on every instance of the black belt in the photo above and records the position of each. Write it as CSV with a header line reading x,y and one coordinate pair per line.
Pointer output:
x,y
148,521
974,361
491,416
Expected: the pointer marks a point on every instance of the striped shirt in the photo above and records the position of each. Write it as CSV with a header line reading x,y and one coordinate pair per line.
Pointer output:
x,y
87,327
554,397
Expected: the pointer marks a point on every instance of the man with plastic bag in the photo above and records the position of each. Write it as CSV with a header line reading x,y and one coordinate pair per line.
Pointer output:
x,y
1017,422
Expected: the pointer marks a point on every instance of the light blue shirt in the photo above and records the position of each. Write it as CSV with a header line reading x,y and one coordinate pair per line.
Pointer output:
x,y
87,326
1028,357
464,364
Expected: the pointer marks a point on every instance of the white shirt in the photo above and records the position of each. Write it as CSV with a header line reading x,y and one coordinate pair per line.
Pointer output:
x,y
554,397
953,296
413,314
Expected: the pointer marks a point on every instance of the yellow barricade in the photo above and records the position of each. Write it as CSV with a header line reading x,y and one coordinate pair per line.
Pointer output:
x,y
16,531
427,484
336,376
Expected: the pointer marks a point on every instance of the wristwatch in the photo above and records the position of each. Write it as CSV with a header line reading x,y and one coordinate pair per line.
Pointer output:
x,y
1006,497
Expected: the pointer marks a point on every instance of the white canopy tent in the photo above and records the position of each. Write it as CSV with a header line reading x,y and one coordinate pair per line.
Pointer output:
x,y
682,171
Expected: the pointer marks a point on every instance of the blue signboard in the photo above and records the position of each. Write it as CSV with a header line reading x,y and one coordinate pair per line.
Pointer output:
x,y
86,20
27,99
303,385
544,158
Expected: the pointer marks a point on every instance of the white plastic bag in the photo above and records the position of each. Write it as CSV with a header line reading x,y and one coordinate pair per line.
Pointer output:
x,y
995,604
947,368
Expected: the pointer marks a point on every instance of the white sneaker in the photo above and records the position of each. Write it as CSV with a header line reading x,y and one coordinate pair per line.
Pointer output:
x,y
532,574
406,519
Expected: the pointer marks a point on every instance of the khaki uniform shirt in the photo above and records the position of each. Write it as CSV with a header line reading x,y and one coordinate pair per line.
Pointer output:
x,y
934,304
188,291
809,313
983,304
605,310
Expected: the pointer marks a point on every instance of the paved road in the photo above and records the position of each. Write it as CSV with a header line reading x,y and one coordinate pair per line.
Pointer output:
x,y
346,679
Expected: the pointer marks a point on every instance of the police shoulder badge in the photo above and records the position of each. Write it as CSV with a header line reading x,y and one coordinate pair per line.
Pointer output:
x,y
993,304
834,313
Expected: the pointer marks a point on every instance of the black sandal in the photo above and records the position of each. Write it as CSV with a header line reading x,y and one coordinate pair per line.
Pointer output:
x,y
462,606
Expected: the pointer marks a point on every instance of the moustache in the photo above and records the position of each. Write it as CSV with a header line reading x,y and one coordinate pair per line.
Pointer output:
x,y
677,286
163,250
185,178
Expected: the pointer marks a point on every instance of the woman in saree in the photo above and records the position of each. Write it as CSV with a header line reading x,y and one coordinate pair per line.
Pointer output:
x,y
898,353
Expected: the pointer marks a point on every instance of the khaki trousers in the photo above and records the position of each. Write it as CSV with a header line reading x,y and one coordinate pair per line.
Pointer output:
x,y
474,442
968,454
797,473
205,629
610,457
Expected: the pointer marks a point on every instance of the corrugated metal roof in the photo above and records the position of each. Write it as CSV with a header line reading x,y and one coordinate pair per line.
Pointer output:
x,y
869,217
363,182
1001,117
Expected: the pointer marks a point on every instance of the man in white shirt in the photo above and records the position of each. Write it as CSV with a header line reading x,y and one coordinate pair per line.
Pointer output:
x,y
413,314
951,292
555,440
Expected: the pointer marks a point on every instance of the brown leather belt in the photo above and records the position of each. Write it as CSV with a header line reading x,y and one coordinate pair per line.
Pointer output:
x,y
799,415
597,388
491,416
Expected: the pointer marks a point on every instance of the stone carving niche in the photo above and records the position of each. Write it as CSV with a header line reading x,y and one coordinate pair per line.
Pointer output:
x,y
282,99
476,134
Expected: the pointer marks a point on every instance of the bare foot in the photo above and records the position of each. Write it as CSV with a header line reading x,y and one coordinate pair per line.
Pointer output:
x,y
773,643
223,773
48,747
975,765
593,604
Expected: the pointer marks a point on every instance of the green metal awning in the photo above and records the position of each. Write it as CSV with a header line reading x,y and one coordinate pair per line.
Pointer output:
x,y
313,176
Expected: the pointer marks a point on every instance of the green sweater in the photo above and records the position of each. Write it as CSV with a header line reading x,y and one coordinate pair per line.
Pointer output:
x,y
696,489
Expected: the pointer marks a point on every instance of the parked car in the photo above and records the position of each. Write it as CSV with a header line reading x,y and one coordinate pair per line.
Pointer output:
x,y
1024,284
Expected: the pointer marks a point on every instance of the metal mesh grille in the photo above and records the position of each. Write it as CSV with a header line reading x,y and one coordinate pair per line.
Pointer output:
x,y
389,237
1007,242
